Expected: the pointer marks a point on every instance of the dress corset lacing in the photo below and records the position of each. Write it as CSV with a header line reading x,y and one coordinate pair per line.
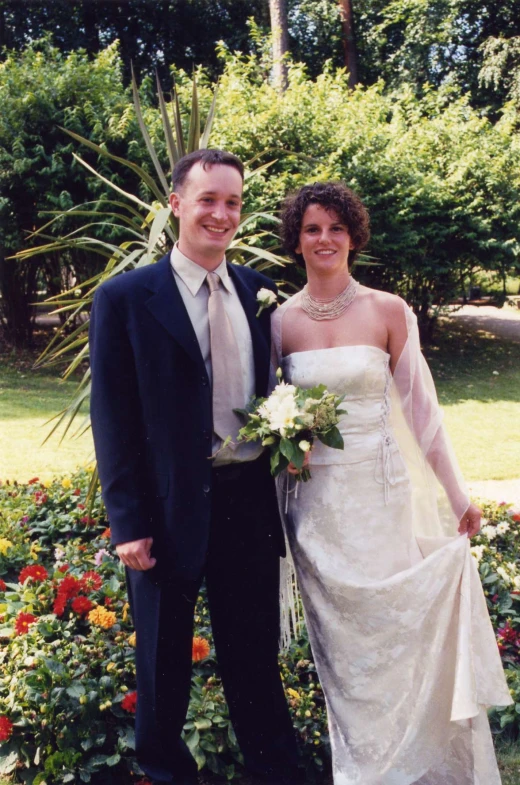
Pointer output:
x,y
385,470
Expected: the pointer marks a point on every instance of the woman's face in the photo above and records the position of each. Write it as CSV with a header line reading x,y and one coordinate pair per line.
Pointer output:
x,y
324,241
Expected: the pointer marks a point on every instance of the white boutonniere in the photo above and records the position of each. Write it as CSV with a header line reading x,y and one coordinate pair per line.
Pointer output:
x,y
265,298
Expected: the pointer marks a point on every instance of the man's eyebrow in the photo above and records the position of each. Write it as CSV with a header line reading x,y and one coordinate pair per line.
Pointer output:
x,y
213,193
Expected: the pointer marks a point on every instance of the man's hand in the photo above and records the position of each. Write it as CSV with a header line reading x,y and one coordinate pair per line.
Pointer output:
x,y
136,554
292,469
470,522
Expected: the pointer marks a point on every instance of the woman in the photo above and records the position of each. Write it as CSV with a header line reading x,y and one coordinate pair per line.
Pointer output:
x,y
397,620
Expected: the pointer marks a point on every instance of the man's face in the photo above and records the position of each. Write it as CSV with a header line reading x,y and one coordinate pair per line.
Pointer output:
x,y
208,208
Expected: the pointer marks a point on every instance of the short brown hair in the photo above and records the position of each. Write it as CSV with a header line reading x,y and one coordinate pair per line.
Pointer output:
x,y
331,196
206,157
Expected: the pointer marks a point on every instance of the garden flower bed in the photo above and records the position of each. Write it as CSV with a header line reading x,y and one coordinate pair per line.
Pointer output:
x,y
67,675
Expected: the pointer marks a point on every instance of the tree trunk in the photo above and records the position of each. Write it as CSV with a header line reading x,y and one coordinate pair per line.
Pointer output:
x,y
279,28
349,42
90,23
18,283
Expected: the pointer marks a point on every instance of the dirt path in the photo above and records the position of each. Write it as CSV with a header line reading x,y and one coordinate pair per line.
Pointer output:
x,y
503,322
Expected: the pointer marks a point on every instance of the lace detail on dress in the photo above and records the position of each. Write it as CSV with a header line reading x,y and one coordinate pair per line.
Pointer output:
x,y
385,470
399,629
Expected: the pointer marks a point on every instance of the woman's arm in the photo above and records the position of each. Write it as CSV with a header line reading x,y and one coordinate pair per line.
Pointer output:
x,y
416,389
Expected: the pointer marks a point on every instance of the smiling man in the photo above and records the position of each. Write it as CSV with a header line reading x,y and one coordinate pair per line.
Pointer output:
x,y
174,348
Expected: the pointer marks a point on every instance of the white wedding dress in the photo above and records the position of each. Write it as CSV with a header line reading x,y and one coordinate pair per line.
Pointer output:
x,y
400,634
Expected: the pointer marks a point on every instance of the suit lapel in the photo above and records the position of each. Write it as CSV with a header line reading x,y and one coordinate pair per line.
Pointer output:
x,y
167,306
261,349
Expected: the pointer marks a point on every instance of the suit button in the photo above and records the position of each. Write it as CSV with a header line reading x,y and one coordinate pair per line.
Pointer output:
x,y
207,435
206,488
204,381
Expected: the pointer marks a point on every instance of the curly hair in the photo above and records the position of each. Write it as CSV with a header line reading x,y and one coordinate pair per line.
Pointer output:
x,y
332,196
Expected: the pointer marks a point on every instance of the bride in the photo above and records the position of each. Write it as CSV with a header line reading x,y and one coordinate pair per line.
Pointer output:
x,y
397,619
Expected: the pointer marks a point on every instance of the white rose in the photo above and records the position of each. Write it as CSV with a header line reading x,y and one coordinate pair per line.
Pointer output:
x,y
516,581
504,574
502,527
304,445
489,531
266,297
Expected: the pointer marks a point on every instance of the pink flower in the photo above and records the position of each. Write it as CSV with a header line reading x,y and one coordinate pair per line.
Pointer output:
x,y
100,555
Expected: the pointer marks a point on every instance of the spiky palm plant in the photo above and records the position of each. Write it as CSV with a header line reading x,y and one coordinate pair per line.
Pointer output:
x,y
149,229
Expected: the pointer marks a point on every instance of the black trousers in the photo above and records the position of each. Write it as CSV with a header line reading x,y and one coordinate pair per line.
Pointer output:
x,y
242,581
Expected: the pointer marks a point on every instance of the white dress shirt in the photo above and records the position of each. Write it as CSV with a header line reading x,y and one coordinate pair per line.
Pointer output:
x,y
190,278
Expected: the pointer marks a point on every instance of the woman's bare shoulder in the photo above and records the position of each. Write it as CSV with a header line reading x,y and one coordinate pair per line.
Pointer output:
x,y
389,304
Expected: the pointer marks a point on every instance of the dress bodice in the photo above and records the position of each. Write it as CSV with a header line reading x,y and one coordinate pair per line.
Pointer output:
x,y
361,374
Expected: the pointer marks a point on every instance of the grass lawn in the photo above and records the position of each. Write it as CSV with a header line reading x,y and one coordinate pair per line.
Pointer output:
x,y
482,409
509,762
28,399
478,382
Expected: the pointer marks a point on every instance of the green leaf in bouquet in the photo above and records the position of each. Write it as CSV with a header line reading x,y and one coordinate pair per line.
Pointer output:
x,y
332,438
288,449
316,392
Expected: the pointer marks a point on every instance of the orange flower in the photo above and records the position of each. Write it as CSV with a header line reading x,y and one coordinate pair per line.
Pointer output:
x,y
102,618
200,649
105,535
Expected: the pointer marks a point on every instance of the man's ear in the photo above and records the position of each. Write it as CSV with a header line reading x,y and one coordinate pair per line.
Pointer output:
x,y
174,203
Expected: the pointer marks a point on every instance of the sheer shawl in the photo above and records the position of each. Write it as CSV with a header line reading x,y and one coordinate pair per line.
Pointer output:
x,y
439,495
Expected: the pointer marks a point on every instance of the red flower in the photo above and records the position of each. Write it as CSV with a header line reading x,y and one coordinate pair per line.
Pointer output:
x,y
34,572
76,492
23,620
108,602
82,605
69,587
6,728
3,587
507,634
59,604
91,581
105,535
34,479
80,506
129,702
40,497
88,521
63,568
516,517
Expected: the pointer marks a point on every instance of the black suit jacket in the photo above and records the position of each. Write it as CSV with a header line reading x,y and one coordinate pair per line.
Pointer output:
x,y
151,410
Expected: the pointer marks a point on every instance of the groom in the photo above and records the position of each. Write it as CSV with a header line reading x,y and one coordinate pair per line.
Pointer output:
x,y
174,347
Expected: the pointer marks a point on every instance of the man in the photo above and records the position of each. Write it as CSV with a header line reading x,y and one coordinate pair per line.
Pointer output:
x,y
173,349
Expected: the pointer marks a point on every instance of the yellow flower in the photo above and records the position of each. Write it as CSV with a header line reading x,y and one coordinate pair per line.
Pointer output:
x,y
66,483
33,553
111,666
126,607
293,694
102,618
132,639
5,545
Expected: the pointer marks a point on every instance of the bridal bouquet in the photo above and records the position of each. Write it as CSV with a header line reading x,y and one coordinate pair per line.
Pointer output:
x,y
288,422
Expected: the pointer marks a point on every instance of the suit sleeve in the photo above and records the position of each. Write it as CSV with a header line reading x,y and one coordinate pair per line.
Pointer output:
x,y
117,423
